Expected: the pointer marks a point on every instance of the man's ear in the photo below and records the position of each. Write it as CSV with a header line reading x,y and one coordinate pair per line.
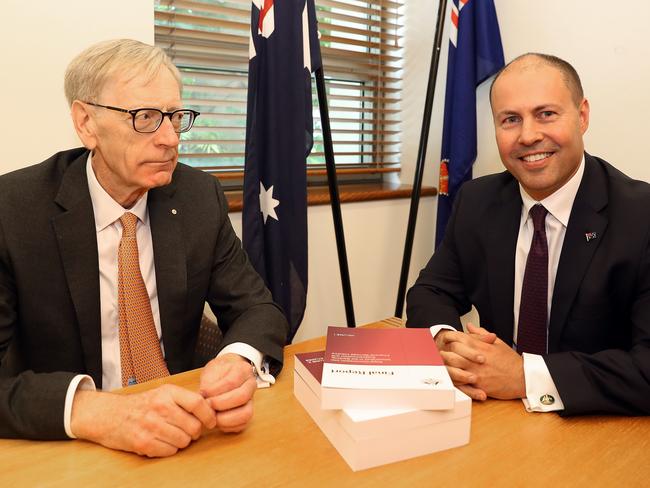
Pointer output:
x,y
84,124
584,115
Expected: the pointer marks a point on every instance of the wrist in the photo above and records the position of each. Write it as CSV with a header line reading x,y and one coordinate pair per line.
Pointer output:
x,y
86,419
521,391
232,357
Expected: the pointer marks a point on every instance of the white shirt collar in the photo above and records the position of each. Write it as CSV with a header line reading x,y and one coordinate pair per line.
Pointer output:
x,y
106,209
559,203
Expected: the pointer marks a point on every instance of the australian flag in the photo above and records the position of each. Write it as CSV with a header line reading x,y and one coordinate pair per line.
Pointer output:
x,y
475,54
283,52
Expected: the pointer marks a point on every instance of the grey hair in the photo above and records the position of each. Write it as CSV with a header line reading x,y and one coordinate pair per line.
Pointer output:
x,y
89,71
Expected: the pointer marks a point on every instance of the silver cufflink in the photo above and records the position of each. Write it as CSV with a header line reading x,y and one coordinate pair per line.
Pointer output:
x,y
547,399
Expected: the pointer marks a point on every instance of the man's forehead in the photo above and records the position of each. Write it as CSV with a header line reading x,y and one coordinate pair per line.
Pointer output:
x,y
527,79
138,84
527,68
134,77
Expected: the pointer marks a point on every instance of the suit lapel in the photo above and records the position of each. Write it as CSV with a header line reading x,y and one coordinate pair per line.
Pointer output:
x,y
502,229
77,241
577,251
171,271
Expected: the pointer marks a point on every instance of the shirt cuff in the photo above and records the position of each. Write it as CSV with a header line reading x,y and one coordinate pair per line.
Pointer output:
x,y
438,327
541,393
81,382
257,359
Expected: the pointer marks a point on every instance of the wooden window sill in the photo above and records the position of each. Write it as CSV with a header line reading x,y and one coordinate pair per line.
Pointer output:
x,y
319,195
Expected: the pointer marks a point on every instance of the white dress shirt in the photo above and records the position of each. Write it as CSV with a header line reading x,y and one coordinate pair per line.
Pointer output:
x,y
539,383
559,204
109,233
107,213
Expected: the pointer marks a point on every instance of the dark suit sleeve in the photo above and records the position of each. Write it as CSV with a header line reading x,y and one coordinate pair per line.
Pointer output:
x,y
31,405
615,381
239,298
439,295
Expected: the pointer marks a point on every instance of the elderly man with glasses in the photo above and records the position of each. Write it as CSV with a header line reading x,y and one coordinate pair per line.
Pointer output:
x,y
108,254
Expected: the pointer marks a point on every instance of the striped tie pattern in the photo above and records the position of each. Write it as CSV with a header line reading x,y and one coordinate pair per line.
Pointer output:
x,y
532,331
140,352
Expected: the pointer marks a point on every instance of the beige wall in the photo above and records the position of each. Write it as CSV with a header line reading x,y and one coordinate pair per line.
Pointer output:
x,y
607,44
37,40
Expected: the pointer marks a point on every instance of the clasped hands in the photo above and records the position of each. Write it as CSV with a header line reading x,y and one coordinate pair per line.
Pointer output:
x,y
161,421
481,365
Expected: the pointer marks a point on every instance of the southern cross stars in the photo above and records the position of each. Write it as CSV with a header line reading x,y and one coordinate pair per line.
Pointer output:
x,y
268,203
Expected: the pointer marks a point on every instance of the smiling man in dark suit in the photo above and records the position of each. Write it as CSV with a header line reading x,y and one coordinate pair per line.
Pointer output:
x,y
108,254
554,254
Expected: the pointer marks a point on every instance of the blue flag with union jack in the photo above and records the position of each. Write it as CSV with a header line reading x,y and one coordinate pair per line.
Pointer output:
x,y
283,52
475,54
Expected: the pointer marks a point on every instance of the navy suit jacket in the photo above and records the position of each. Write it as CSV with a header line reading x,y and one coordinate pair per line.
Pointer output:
x,y
599,327
49,285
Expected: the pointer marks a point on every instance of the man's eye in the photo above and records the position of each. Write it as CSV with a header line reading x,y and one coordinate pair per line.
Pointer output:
x,y
546,114
513,119
146,115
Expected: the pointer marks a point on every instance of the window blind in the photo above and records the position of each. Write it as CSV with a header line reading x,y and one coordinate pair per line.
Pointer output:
x,y
361,48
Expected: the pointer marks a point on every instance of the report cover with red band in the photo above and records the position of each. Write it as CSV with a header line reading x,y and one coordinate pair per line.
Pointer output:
x,y
384,368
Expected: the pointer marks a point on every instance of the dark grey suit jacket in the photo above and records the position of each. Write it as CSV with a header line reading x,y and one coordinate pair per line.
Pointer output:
x,y
599,328
49,285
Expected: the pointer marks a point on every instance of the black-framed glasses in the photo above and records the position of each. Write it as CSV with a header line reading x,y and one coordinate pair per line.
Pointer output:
x,y
147,120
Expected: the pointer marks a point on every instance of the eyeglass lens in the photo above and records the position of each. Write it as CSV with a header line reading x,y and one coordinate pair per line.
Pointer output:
x,y
148,120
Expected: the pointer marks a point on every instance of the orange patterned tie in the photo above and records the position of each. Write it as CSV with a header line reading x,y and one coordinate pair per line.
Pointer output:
x,y
140,352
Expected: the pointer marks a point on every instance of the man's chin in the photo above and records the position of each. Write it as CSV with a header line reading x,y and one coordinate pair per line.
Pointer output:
x,y
160,178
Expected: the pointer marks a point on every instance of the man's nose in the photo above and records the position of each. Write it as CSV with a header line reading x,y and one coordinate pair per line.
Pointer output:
x,y
166,134
530,133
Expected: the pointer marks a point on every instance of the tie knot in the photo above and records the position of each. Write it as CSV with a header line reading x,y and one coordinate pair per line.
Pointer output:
x,y
128,221
538,214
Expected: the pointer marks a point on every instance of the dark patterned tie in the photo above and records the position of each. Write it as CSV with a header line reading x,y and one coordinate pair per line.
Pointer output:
x,y
531,332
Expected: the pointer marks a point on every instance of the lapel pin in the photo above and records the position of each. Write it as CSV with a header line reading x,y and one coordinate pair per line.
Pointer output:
x,y
174,212
590,236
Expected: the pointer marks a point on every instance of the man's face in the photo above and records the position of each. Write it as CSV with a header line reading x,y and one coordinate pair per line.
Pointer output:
x,y
128,163
538,126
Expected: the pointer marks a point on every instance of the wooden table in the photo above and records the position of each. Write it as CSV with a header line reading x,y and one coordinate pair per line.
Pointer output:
x,y
283,447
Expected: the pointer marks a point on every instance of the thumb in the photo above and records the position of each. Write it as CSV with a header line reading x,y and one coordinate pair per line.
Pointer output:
x,y
486,336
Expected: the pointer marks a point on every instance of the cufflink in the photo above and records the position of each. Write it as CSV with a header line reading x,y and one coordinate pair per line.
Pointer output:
x,y
547,399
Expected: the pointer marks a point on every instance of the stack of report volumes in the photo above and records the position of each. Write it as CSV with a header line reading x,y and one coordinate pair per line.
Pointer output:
x,y
370,433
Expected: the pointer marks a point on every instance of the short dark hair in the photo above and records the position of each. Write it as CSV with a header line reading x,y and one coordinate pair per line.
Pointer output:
x,y
569,73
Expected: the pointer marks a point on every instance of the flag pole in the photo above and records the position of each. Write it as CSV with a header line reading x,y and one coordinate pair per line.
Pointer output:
x,y
335,201
422,152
